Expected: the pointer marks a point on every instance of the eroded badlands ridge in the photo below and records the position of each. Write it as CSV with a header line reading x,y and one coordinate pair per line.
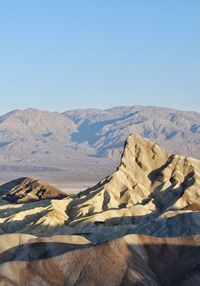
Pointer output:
x,y
24,190
138,226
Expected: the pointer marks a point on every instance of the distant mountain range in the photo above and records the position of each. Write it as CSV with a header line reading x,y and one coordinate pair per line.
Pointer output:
x,y
92,138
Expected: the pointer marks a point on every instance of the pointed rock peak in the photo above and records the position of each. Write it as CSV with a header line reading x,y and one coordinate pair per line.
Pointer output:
x,y
149,181
142,152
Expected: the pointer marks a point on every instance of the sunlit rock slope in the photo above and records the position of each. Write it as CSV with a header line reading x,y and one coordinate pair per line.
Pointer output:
x,y
138,226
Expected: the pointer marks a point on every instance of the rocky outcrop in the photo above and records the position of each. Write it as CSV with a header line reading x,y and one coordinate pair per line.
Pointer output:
x,y
138,226
24,190
148,182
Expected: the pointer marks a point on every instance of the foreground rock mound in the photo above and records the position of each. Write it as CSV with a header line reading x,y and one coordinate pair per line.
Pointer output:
x,y
138,226
72,260
25,190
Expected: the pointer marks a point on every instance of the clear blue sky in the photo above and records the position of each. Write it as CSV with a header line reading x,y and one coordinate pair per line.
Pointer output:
x,y
58,55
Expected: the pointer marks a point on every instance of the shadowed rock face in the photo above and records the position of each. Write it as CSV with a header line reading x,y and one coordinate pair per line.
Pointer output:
x,y
148,182
138,226
131,260
24,190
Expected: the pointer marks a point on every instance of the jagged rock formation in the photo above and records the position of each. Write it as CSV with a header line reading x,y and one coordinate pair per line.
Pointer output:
x,y
138,226
24,190
148,181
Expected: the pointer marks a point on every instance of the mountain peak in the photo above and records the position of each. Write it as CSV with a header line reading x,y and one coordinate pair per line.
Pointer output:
x,y
36,137
147,181
148,207
141,154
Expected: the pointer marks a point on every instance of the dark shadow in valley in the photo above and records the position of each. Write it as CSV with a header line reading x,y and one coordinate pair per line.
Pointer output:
x,y
9,211
183,224
39,250
167,263
89,131
71,210
163,199
155,174
28,221
153,261
166,198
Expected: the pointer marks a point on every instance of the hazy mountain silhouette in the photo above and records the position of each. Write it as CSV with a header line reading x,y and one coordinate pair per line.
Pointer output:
x,y
90,137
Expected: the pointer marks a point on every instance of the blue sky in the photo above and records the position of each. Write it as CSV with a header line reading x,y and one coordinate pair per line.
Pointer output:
x,y
59,55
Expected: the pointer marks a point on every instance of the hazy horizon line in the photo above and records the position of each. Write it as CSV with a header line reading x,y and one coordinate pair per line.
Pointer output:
x,y
96,108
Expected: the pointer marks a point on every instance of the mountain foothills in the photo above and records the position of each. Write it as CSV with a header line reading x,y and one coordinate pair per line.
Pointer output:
x,y
32,139
138,226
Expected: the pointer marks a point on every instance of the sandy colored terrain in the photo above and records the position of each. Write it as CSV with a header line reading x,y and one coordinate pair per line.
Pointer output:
x,y
138,226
